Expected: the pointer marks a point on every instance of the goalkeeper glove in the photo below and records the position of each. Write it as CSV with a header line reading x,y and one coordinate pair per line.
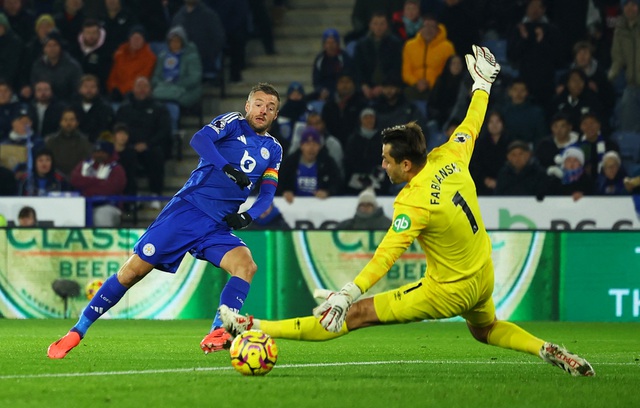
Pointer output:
x,y
237,176
238,221
483,68
333,312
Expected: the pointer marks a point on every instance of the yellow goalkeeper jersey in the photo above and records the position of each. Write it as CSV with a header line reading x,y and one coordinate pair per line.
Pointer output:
x,y
439,207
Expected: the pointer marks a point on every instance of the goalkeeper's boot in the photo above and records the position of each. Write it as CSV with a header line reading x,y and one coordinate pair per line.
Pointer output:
x,y
219,339
60,348
566,360
235,323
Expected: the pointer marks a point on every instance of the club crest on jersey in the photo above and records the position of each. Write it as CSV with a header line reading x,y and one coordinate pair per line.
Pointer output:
x,y
401,223
264,152
149,249
461,137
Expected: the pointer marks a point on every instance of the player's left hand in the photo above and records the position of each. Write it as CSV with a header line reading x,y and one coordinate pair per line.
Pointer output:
x,y
332,313
483,68
238,221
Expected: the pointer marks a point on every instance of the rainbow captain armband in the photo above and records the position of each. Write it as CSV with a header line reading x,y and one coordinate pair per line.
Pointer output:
x,y
270,176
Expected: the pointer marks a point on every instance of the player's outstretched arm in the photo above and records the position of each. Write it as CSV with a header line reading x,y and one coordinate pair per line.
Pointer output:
x,y
333,312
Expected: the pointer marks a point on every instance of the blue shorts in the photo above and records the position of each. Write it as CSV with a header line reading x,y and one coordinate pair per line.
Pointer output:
x,y
180,228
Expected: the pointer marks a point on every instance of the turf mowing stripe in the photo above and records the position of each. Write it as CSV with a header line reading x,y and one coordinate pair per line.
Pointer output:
x,y
196,369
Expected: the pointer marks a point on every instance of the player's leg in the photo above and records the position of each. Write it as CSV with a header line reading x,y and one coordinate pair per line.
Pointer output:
x,y
239,263
109,294
483,325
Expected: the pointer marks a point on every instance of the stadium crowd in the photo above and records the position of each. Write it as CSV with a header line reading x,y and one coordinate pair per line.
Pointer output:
x,y
93,92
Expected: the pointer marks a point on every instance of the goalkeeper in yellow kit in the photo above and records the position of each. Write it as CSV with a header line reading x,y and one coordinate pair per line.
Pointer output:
x,y
438,207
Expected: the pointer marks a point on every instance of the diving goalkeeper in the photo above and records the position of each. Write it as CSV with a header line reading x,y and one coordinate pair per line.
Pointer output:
x,y
439,207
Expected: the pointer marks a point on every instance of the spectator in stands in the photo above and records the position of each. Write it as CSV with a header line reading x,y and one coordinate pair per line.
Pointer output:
x,y
131,60
392,107
569,178
8,185
21,133
69,20
95,115
293,111
27,217
576,99
21,19
341,113
127,157
369,215
205,29
624,52
594,144
8,108
362,12
489,154
329,64
235,16
610,180
43,26
69,145
177,77
363,167
523,119
424,58
329,142
45,179
310,171
521,175
92,54
444,95
270,219
58,68
11,50
461,21
46,110
597,80
118,22
632,184
536,49
150,133
155,16
101,175
377,56
407,22
562,136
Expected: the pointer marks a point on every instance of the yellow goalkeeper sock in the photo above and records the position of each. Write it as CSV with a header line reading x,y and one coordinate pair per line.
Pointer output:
x,y
300,328
508,335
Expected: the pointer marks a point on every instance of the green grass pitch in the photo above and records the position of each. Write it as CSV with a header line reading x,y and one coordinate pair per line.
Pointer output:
x,y
436,364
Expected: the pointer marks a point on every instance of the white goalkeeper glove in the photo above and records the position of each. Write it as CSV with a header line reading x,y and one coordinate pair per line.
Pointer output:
x,y
333,311
483,68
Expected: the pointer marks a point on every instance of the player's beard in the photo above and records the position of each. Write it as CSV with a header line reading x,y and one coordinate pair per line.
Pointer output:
x,y
258,127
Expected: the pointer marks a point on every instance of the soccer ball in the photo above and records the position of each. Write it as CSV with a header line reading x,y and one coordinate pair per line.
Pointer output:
x,y
253,353
92,288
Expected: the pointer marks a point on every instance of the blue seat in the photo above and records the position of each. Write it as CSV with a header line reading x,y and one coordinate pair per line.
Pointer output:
x,y
629,143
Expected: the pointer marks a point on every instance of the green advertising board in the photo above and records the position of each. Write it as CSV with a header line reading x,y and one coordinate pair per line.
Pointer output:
x,y
600,276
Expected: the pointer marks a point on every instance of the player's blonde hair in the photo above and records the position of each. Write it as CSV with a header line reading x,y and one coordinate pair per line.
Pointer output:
x,y
266,88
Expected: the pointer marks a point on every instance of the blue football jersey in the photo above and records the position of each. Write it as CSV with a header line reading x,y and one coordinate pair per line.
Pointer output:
x,y
209,188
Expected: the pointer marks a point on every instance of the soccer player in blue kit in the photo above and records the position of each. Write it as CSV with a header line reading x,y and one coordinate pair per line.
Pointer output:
x,y
236,153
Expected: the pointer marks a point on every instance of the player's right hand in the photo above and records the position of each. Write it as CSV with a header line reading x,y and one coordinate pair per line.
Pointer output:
x,y
237,176
332,313
483,68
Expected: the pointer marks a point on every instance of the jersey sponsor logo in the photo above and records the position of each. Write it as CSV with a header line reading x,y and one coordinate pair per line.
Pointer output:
x,y
247,163
401,223
264,152
149,249
461,137
242,139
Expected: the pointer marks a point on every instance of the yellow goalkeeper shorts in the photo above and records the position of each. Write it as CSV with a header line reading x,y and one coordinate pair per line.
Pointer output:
x,y
426,299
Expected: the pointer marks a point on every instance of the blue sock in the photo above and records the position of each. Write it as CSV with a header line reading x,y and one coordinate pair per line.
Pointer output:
x,y
108,295
233,295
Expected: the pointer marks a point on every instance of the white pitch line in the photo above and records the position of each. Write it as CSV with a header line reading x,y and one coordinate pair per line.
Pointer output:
x,y
281,366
